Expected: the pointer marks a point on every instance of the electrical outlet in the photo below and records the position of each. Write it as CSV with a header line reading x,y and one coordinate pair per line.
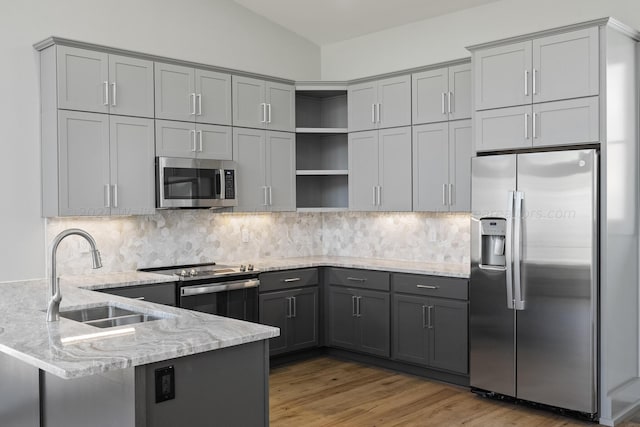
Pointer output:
x,y
245,235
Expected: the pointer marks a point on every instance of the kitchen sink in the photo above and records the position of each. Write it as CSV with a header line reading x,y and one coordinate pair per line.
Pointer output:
x,y
107,316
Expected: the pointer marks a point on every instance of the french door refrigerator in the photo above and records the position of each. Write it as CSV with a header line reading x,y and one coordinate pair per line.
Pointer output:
x,y
534,279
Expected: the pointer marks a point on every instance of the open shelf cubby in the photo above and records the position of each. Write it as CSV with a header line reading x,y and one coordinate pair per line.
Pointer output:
x,y
322,192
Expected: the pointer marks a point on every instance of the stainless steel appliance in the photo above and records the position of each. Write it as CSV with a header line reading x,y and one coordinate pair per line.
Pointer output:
x,y
534,278
195,183
230,291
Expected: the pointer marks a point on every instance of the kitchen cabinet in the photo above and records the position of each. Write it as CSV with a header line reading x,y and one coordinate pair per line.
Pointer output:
x,y
358,311
441,94
380,170
193,140
266,170
555,67
192,94
380,104
442,166
98,165
263,104
430,321
160,293
98,82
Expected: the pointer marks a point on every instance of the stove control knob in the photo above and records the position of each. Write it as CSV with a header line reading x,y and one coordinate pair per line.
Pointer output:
x,y
243,267
193,272
183,273
250,267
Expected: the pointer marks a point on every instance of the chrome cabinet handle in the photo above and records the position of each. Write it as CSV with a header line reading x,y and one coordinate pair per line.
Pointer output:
x,y
353,306
379,192
294,311
106,92
293,279
115,195
430,316
526,82
199,96
449,100
192,133
535,72
107,196
526,125
264,113
444,194
288,307
508,248
359,310
192,96
450,194
270,196
356,279
269,113
424,316
427,287
373,113
139,298
264,194
535,135
443,102
378,113
200,139
113,94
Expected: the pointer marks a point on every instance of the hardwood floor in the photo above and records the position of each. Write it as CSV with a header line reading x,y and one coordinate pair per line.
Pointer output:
x,y
329,392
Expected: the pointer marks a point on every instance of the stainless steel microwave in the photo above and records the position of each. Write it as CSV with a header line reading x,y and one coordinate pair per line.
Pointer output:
x,y
195,183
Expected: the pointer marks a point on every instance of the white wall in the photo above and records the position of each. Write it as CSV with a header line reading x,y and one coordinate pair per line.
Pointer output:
x,y
217,32
444,38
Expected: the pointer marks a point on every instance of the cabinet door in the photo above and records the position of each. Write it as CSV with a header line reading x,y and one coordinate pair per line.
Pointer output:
x,y
429,92
83,163
460,153
394,169
175,92
449,337
575,121
281,108
274,311
281,170
175,139
213,92
503,129
374,322
249,102
132,165
363,170
410,329
131,86
161,293
394,99
342,317
502,76
566,65
430,167
459,97
83,80
214,142
249,153
362,98
303,332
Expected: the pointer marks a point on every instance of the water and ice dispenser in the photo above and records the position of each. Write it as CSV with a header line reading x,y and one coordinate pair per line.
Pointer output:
x,y
493,237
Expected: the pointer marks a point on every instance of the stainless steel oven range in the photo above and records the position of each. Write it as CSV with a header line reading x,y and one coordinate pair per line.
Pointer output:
x,y
225,290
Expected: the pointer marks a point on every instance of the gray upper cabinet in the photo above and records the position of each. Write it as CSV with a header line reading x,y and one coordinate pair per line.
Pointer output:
x,y
188,140
380,104
98,82
106,166
442,167
556,67
192,95
263,105
380,170
441,94
575,121
266,170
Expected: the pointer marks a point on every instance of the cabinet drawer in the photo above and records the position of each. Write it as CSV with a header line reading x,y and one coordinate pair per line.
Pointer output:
x,y
161,293
444,287
365,279
288,279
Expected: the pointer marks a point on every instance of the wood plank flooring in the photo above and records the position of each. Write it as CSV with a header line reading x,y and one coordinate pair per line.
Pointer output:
x,y
329,392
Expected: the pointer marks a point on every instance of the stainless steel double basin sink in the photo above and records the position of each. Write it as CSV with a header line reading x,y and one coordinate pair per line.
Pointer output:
x,y
107,316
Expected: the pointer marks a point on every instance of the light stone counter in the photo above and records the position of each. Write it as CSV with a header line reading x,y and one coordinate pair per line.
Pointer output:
x,y
25,334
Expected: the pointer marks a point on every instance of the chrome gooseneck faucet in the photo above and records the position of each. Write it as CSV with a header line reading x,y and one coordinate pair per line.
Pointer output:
x,y
53,311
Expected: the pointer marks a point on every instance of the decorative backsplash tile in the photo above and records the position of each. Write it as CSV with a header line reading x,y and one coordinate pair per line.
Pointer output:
x,y
193,236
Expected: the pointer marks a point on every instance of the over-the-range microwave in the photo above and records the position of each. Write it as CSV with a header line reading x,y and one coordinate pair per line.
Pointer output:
x,y
195,183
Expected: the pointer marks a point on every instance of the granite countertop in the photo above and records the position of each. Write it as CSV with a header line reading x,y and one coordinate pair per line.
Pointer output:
x,y
25,334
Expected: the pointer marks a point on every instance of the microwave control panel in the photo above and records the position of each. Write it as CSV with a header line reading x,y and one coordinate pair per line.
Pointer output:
x,y
229,184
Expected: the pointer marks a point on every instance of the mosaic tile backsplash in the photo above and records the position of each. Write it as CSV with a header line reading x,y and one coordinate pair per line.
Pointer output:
x,y
193,236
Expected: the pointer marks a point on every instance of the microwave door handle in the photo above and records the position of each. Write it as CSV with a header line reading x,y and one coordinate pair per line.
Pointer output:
x,y
218,189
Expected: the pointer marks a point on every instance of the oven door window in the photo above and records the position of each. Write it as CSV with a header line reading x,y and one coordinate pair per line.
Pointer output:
x,y
191,183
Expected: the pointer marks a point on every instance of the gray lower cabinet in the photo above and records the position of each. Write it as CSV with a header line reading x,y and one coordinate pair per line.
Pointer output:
x,y
98,165
266,170
359,320
263,105
295,312
380,170
193,141
161,293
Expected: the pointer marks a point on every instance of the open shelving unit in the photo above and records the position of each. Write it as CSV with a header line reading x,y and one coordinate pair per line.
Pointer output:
x,y
322,170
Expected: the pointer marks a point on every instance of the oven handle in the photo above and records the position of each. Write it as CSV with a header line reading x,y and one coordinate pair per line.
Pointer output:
x,y
211,288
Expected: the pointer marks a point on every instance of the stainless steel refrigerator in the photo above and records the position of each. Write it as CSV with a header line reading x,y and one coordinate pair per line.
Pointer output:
x,y
534,277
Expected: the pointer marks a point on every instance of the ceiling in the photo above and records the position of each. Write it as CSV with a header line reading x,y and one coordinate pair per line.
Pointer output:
x,y
329,21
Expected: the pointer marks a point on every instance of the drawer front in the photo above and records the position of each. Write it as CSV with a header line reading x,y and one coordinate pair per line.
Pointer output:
x,y
289,279
436,286
161,293
364,279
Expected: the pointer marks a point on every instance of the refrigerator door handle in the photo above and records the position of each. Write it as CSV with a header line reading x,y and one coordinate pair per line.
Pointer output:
x,y
508,249
517,251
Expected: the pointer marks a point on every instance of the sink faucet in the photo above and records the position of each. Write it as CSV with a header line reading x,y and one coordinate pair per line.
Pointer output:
x,y
53,311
